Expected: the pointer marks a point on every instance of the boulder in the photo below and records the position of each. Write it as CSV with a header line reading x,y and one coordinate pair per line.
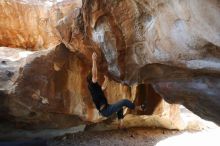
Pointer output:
x,y
172,45
152,51
31,24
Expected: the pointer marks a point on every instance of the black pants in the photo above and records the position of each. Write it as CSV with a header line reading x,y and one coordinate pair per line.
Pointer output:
x,y
117,108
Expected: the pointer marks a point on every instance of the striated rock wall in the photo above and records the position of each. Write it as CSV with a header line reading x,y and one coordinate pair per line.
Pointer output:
x,y
154,49
31,24
48,89
133,34
174,45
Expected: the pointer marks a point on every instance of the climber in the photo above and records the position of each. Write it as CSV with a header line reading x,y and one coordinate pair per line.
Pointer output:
x,y
100,100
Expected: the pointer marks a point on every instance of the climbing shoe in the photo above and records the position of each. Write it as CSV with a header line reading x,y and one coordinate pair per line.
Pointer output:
x,y
143,107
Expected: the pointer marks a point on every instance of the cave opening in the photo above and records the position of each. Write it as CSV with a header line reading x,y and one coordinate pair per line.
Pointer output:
x,y
163,54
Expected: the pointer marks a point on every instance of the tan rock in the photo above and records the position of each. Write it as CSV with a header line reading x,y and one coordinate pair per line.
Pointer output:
x,y
31,24
154,49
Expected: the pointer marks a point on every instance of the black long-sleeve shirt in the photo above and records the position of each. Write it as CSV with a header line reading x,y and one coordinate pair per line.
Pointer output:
x,y
97,94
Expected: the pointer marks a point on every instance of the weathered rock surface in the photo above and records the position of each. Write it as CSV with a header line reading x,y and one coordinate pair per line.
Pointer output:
x,y
173,45
153,49
31,24
50,86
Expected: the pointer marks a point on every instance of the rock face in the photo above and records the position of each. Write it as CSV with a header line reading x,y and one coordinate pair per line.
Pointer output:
x,y
173,45
156,42
44,87
152,50
31,24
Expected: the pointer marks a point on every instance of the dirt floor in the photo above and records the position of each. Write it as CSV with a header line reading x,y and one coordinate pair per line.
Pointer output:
x,y
196,132
127,137
93,136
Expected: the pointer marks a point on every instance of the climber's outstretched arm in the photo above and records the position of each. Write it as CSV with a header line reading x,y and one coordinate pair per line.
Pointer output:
x,y
105,83
94,67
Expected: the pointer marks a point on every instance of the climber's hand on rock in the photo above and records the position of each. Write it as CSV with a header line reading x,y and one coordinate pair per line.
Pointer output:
x,y
94,56
106,78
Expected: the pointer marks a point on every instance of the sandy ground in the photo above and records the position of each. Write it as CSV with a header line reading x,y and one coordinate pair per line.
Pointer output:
x,y
196,132
139,137
128,137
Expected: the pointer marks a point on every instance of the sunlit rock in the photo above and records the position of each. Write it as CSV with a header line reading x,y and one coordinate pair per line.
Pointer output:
x,y
172,45
30,24
151,50
36,92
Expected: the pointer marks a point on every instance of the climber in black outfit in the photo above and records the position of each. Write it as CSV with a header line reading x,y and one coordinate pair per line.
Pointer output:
x,y
100,100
